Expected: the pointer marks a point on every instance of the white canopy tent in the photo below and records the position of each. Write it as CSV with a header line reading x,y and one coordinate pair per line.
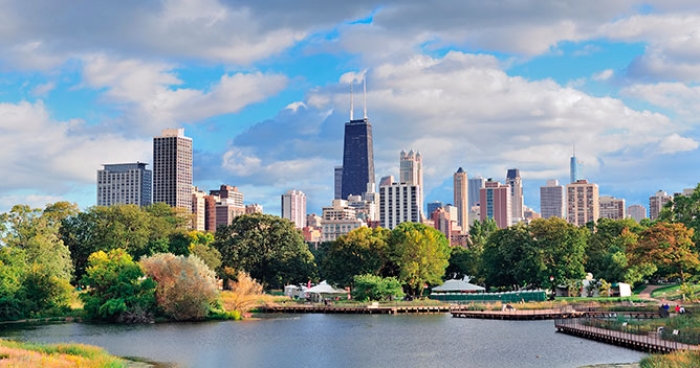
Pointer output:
x,y
323,289
459,286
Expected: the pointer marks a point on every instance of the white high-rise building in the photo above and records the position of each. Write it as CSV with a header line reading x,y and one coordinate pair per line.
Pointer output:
x,y
172,169
515,183
199,209
124,184
399,203
411,170
553,200
294,207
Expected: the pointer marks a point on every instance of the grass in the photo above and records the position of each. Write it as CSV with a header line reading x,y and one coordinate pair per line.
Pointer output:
x,y
674,291
679,359
24,354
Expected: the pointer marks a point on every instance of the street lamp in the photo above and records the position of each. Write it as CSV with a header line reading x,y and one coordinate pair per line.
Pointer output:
x,y
554,292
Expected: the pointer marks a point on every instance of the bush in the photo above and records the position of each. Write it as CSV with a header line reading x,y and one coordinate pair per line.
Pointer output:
x,y
376,288
245,294
186,286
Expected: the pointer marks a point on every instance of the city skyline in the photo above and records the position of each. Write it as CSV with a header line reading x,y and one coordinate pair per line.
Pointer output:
x,y
266,108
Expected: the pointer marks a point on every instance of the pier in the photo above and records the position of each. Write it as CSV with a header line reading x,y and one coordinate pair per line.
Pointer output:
x,y
370,309
517,315
649,342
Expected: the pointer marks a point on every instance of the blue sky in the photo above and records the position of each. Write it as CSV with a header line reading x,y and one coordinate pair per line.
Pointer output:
x,y
263,89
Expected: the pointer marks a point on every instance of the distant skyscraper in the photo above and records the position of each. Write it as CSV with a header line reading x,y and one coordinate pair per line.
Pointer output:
x,y
432,206
124,184
294,207
553,200
574,169
199,209
612,208
657,202
475,185
411,170
495,198
461,197
637,212
515,183
399,203
172,169
582,202
358,157
229,204
386,180
338,182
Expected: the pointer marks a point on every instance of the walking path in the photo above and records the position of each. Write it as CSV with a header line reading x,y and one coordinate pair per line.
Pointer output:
x,y
646,293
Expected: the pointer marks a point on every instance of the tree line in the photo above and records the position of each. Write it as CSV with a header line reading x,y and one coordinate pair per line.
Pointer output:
x,y
129,258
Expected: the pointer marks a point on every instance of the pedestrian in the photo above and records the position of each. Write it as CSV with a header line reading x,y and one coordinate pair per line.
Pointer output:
x,y
678,308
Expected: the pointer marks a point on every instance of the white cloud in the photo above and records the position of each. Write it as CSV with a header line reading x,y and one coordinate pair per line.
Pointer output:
x,y
42,154
43,89
603,75
149,93
675,96
675,143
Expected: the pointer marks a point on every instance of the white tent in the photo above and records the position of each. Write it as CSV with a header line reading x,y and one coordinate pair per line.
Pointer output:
x,y
458,286
324,288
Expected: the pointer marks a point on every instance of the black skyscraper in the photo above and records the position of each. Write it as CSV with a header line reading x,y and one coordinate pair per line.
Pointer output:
x,y
358,158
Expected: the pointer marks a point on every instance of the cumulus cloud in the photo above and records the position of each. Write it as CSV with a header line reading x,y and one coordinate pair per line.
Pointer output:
x,y
148,91
603,75
677,96
675,143
52,156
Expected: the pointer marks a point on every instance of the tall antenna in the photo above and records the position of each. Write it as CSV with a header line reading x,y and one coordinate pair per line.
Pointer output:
x,y
352,101
364,87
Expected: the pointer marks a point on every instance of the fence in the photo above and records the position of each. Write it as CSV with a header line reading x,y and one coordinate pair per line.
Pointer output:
x,y
509,297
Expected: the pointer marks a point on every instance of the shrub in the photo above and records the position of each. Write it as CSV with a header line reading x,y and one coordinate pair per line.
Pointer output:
x,y
245,294
376,288
186,286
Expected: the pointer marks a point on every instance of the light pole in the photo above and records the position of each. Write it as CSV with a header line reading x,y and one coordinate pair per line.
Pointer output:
x,y
554,292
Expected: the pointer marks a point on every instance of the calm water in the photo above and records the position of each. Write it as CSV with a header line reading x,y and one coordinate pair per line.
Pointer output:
x,y
318,340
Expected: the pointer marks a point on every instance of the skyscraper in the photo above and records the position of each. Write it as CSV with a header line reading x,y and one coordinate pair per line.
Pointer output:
x,y
358,154
338,182
294,207
552,200
124,184
657,202
461,196
582,202
495,203
475,185
574,169
432,206
172,169
410,169
229,204
515,183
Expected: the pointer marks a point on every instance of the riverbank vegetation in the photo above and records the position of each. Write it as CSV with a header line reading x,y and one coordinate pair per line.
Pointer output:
x,y
132,264
23,354
678,359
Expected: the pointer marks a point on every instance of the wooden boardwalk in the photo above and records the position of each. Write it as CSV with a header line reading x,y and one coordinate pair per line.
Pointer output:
x,y
651,342
518,315
355,310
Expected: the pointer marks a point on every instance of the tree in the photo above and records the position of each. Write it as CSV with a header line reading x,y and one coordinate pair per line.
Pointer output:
x,y
12,275
686,210
361,251
186,287
373,287
667,245
479,233
269,248
463,262
245,294
562,248
117,289
421,255
607,245
506,259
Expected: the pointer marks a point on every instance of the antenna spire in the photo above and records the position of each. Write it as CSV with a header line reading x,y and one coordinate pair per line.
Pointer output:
x,y
364,87
352,101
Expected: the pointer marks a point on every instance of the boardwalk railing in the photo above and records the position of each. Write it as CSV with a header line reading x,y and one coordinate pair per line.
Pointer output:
x,y
637,337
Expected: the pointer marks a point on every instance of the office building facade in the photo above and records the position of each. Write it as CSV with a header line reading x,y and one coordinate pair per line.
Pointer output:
x,y
294,207
657,203
358,157
495,203
515,182
612,208
128,183
553,200
637,212
399,203
461,198
583,204
172,169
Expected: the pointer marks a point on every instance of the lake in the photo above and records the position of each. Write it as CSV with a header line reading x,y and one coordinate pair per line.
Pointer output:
x,y
331,340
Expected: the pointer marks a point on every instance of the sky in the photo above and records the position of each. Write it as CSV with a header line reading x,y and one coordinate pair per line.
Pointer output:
x,y
263,89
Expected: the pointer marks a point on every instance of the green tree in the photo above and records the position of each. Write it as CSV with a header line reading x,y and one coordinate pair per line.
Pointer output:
x,y
12,275
686,210
420,253
561,248
117,289
507,259
186,287
463,262
269,248
362,251
373,287
607,246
